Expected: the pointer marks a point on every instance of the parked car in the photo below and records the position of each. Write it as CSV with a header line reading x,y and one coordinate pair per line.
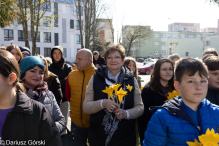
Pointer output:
x,y
140,60
73,65
149,60
147,68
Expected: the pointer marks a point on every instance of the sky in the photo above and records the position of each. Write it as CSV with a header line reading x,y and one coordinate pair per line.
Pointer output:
x,y
159,13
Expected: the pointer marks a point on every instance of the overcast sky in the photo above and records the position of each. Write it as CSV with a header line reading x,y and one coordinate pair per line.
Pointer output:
x,y
156,13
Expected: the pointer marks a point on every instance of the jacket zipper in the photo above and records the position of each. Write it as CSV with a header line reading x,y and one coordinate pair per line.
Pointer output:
x,y
81,98
162,94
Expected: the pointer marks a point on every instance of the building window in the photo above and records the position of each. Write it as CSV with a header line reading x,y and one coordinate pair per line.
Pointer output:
x,y
71,24
65,52
21,35
37,50
8,34
47,52
37,39
47,6
47,21
207,43
78,39
81,9
47,37
78,25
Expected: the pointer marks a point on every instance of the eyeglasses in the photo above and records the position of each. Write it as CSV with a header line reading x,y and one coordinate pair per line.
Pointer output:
x,y
26,54
115,58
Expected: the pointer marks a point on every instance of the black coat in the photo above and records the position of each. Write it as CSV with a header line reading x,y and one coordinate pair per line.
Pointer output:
x,y
125,134
30,120
99,61
62,70
54,85
149,98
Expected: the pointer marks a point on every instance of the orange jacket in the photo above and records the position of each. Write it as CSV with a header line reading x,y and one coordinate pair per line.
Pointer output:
x,y
78,81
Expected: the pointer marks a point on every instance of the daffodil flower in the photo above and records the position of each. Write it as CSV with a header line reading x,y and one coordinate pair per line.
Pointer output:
x,y
129,88
109,91
210,138
121,93
195,143
172,95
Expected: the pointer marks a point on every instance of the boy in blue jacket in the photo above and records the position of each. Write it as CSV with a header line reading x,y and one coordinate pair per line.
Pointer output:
x,y
212,62
185,117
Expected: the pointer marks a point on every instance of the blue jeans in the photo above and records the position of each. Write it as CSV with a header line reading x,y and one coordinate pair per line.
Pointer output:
x,y
80,133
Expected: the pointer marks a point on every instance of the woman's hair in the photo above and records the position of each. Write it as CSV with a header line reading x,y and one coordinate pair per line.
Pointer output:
x,y
47,73
127,61
8,65
49,60
155,76
3,47
114,48
11,47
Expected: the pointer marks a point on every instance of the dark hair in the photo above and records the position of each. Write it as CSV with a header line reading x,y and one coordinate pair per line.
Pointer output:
x,y
11,47
127,61
114,48
190,66
173,56
155,76
8,65
210,51
95,53
212,63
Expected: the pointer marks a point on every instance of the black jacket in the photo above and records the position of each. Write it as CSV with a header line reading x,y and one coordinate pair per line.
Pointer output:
x,y
54,85
125,134
149,98
99,61
30,120
61,69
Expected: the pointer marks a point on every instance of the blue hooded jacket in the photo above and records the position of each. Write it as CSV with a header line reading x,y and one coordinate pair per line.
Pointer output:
x,y
170,125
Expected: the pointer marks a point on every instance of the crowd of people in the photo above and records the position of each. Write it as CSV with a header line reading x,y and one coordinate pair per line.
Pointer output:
x,y
108,106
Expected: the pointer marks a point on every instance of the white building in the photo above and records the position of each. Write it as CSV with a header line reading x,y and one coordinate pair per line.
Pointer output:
x,y
184,27
64,31
210,29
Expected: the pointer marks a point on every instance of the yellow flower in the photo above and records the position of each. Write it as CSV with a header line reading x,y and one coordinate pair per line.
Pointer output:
x,y
109,91
141,88
115,87
210,138
129,88
195,143
121,93
172,95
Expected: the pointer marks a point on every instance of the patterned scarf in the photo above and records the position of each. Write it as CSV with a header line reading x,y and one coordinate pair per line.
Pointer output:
x,y
38,92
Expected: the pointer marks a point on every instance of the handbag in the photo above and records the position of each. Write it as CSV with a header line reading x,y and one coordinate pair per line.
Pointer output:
x,y
68,139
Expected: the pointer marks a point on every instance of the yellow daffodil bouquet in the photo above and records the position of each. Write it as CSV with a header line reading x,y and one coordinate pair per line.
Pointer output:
x,y
209,139
172,94
115,94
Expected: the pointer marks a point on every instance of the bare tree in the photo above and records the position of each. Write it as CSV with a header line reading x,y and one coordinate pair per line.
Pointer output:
x,y
87,12
133,35
33,11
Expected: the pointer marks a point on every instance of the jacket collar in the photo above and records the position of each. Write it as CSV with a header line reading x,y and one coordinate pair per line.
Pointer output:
x,y
23,104
87,70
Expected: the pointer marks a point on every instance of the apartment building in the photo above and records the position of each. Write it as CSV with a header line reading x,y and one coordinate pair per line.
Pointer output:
x,y
184,27
210,29
63,31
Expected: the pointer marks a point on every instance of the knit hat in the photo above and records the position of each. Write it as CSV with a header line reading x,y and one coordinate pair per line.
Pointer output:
x,y
28,62
25,50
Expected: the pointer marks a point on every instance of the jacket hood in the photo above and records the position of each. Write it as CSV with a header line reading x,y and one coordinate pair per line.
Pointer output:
x,y
62,59
126,72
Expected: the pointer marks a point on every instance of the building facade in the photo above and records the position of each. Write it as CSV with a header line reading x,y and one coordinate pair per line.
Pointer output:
x,y
184,27
63,31
186,44
210,29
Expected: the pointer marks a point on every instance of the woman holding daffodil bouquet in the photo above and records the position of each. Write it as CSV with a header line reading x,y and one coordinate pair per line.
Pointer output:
x,y
114,101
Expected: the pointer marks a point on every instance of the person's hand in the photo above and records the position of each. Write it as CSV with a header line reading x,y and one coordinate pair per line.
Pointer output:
x,y
97,65
110,105
120,113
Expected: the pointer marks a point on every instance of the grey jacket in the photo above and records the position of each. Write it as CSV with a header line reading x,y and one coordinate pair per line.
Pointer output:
x,y
50,103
